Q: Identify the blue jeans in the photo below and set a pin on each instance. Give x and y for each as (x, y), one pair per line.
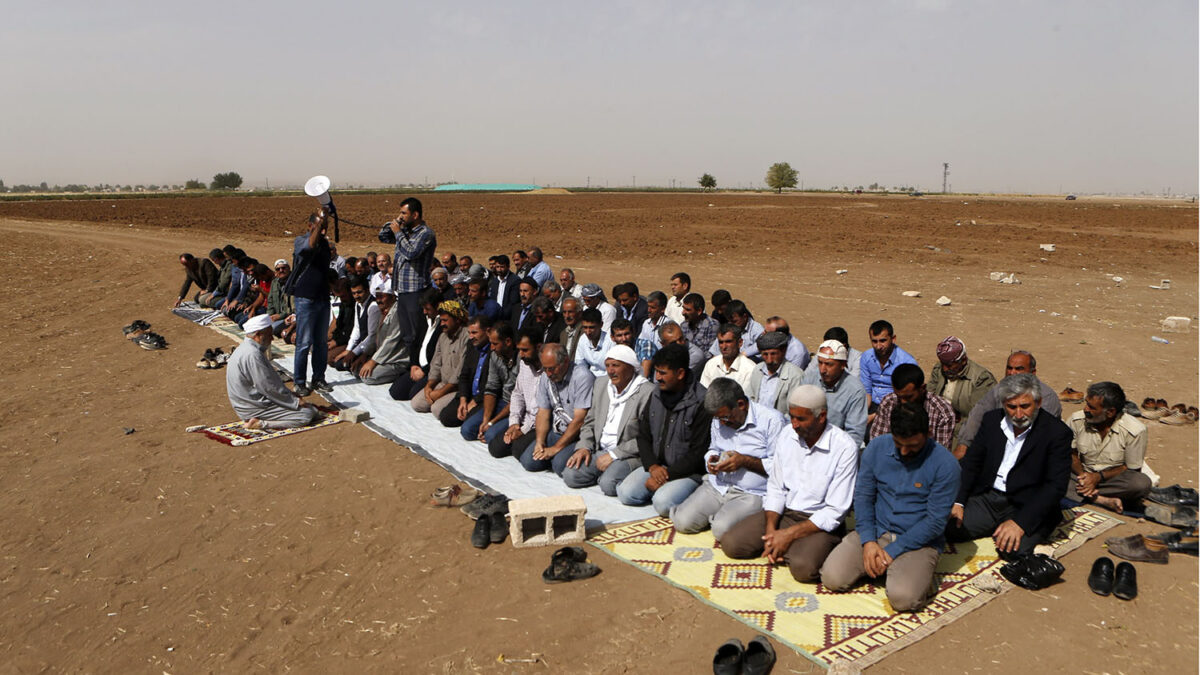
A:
(632, 491)
(496, 430)
(312, 327)
(558, 462)
(470, 426)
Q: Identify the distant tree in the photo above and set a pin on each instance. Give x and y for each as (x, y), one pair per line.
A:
(781, 175)
(193, 184)
(2, 188)
(874, 186)
(708, 182)
(227, 181)
(43, 187)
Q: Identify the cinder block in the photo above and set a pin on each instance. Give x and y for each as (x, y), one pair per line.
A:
(546, 521)
(1176, 324)
(354, 415)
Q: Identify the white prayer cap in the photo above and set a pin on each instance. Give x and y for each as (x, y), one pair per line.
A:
(832, 349)
(807, 396)
(256, 323)
(279, 262)
(623, 354)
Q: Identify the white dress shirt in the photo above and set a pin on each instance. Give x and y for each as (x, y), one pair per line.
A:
(818, 481)
(362, 342)
(740, 371)
(674, 310)
(1012, 448)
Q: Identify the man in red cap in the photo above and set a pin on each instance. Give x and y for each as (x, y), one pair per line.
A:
(959, 380)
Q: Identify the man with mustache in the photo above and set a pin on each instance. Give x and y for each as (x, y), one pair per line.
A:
(1014, 474)
(1109, 448)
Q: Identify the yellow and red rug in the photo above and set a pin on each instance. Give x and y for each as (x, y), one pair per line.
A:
(236, 433)
(858, 625)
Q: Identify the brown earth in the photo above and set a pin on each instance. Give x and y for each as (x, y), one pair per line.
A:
(164, 552)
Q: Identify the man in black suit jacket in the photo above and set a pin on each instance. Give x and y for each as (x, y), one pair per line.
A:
(501, 276)
(409, 383)
(631, 305)
(1015, 474)
(522, 313)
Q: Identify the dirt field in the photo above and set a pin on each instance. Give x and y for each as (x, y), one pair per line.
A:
(164, 552)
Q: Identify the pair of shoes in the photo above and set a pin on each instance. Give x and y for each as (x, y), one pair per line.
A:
(1173, 496)
(151, 341)
(486, 506)
(1033, 571)
(135, 329)
(1178, 418)
(757, 659)
(1120, 581)
(1070, 395)
(569, 564)
(302, 390)
(213, 358)
(491, 529)
(1138, 548)
(205, 362)
(322, 386)
(454, 495)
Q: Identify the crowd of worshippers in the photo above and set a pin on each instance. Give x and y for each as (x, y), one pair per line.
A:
(717, 419)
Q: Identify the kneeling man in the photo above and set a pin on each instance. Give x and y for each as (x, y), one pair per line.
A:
(906, 487)
(607, 450)
(744, 435)
(255, 390)
(1015, 473)
(809, 490)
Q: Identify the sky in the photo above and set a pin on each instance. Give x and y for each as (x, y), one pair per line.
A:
(1076, 96)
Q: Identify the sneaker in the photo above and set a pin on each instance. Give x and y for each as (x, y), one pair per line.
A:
(322, 386)
(302, 390)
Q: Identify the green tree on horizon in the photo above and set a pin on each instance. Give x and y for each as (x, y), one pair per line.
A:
(708, 182)
(227, 181)
(781, 175)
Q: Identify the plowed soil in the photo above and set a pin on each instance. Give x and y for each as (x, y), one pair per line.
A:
(159, 551)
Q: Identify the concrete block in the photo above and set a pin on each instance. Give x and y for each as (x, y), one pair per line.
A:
(1047, 247)
(354, 415)
(546, 521)
(1176, 324)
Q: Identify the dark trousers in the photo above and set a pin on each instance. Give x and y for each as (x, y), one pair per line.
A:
(804, 557)
(409, 306)
(498, 448)
(404, 387)
(983, 513)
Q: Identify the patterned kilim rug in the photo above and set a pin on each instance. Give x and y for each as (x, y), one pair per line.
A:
(858, 625)
(236, 433)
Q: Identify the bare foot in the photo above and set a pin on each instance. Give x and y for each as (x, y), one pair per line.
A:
(253, 423)
(1111, 503)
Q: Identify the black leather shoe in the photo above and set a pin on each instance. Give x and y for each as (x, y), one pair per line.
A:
(322, 386)
(728, 659)
(499, 527)
(759, 657)
(302, 390)
(1101, 578)
(481, 536)
(1190, 546)
(1125, 586)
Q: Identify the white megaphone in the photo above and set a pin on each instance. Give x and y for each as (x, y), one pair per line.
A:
(318, 186)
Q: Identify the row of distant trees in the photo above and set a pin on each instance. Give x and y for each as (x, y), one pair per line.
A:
(781, 175)
(230, 180)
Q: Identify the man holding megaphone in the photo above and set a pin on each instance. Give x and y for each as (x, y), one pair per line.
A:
(309, 286)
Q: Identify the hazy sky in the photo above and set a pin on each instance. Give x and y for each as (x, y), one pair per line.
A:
(1080, 96)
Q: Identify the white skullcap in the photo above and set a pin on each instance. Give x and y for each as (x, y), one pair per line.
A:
(832, 349)
(807, 396)
(256, 323)
(279, 262)
(623, 354)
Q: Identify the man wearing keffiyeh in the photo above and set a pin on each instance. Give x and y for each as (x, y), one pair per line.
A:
(959, 380)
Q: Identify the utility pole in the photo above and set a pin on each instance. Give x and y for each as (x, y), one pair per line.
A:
(945, 176)
(589, 181)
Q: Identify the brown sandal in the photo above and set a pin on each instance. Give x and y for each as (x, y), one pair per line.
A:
(1070, 395)
(453, 495)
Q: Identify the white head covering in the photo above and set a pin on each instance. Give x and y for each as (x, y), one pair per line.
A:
(623, 354)
(832, 349)
(256, 323)
(807, 396)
